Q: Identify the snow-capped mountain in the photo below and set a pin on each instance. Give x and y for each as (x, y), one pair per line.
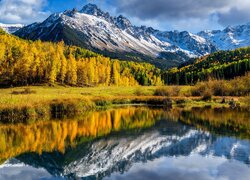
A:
(230, 38)
(97, 30)
(11, 28)
(116, 36)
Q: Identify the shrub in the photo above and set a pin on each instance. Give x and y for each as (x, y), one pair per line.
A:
(24, 91)
(219, 88)
(167, 91)
(199, 89)
(162, 92)
(180, 101)
(207, 95)
(103, 103)
(139, 92)
(239, 86)
(176, 90)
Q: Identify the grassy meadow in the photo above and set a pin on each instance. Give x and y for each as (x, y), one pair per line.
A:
(30, 103)
(36, 102)
(38, 95)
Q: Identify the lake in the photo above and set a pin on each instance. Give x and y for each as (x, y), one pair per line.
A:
(130, 143)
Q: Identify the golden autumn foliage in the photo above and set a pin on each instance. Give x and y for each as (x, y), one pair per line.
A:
(25, 62)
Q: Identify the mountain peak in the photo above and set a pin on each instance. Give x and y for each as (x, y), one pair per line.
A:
(70, 12)
(122, 22)
(91, 27)
(92, 9)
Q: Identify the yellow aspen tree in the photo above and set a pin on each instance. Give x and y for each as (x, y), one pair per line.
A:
(107, 71)
(53, 65)
(63, 62)
(2, 51)
(80, 73)
(102, 74)
(91, 71)
(116, 73)
(35, 65)
(72, 70)
(23, 67)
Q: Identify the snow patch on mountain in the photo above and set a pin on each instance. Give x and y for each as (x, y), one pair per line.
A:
(95, 29)
(230, 38)
(117, 34)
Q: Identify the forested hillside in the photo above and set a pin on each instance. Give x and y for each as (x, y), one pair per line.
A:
(219, 65)
(26, 62)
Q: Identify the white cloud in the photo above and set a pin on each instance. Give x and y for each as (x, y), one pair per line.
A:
(22, 11)
(193, 15)
(237, 13)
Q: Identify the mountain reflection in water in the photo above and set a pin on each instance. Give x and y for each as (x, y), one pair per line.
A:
(130, 143)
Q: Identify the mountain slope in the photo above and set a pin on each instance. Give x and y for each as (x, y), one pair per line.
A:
(218, 65)
(97, 30)
(117, 37)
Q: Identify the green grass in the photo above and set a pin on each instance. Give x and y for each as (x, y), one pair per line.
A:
(44, 94)
(28, 104)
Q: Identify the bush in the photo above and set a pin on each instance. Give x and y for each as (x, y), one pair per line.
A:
(103, 103)
(25, 91)
(139, 92)
(199, 89)
(167, 91)
(207, 95)
(162, 92)
(220, 88)
(239, 86)
(176, 90)
(180, 101)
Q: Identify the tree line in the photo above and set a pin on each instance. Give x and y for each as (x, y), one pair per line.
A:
(217, 66)
(26, 63)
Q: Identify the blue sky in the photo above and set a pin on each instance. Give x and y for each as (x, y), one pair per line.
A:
(191, 15)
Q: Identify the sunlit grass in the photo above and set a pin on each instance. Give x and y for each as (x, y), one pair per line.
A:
(28, 104)
(44, 94)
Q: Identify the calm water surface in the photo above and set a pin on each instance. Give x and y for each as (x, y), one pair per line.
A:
(130, 143)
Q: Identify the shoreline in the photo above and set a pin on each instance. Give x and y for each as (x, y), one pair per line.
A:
(65, 108)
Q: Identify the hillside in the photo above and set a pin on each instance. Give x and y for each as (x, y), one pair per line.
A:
(25, 63)
(117, 37)
(219, 65)
(96, 30)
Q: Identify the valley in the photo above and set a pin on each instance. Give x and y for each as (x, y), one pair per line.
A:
(91, 94)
